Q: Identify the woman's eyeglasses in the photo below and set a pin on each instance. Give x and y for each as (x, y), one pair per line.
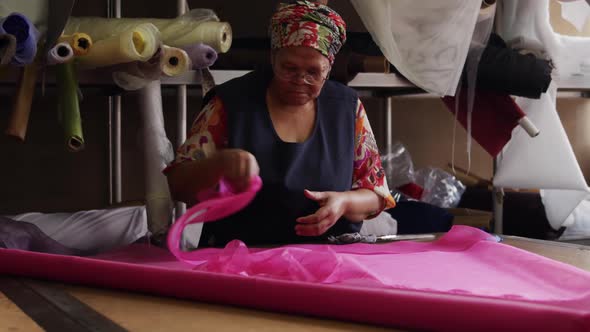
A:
(292, 74)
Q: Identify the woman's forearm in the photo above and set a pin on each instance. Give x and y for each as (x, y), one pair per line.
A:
(238, 167)
(188, 178)
(361, 204)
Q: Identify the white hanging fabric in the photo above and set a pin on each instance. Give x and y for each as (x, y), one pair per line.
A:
(426, 40)
(577, 12)
(546, 161)
(158, 152)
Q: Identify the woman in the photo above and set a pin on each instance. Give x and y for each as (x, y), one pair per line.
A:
(307, 137)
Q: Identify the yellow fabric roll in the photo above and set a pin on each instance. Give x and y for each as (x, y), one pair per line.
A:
(196, 26)
(19, 121)
(136, 44)
(175, 61)
(79, 41)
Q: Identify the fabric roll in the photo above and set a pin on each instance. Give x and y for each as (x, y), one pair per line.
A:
(138, 74)
(494, 117)
(196, 26)
(348, 64)
(503, 69)
(7, 48)
(215, 34)
(19, 120)
(69, 107)
(427, 41)
(79, 42)
(26, 36)
(136, 44)
(60, 53)
(158, 152)
(35, 10)
(201, 55)
(175, 61)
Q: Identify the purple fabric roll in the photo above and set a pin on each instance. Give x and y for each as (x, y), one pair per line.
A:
(26, 36)
(201, 55)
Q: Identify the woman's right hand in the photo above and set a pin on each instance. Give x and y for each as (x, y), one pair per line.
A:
(238, 168)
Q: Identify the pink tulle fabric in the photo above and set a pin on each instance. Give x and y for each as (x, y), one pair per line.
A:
(463, 281)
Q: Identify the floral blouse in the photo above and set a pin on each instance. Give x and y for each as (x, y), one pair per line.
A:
(209, 133)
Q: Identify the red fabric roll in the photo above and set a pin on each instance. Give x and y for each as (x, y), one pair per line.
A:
(494, 117)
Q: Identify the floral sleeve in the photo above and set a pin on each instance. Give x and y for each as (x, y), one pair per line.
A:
(207, 134)
(368, 172)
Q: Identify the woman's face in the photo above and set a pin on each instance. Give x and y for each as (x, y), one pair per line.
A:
(300, 73)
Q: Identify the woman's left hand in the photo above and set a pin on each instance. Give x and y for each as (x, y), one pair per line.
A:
(333, 205)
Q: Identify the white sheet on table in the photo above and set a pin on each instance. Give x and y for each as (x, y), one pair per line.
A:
(93, 230)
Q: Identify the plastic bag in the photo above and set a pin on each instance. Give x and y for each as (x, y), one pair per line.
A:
(441, 189)
(398, 166)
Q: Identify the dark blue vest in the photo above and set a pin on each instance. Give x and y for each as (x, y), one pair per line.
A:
(324, 162)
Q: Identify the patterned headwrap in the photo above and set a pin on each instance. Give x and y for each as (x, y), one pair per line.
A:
(305, 23)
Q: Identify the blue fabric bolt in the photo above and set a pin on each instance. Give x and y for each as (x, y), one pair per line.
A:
(26, 35)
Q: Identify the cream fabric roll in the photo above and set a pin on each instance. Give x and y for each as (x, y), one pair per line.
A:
(79, 41)
(136, 44)
(196, 26)
(175, 61)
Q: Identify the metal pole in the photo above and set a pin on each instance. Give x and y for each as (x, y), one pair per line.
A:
(111, 171)
(115, 183)
(498, 205)
(388, 124)
(117, 149)
(181, 117)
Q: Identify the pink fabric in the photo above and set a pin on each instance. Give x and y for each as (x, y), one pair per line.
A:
(464, 281)
(213, 206)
